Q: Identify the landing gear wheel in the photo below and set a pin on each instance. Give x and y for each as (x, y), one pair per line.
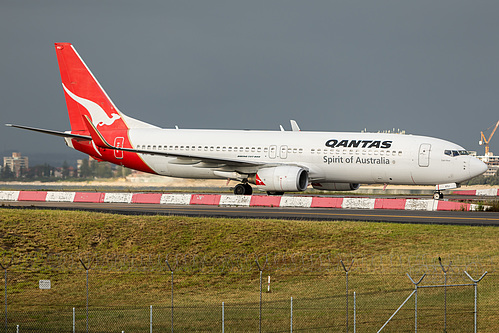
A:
(438, 195)
(243, 189)
(274, 193)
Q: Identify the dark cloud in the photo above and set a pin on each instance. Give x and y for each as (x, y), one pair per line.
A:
(427, 67)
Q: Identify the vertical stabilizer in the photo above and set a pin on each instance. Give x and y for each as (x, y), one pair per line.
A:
(85, 96)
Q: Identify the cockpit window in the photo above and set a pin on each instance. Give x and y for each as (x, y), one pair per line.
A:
(454, 153)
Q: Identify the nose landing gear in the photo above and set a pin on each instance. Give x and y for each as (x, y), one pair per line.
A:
(437, 195)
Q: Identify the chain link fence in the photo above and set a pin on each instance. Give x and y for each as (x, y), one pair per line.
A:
(247, 293)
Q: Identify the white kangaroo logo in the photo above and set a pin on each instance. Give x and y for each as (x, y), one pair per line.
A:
(98, 115)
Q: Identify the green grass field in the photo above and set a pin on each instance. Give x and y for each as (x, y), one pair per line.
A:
(120, 299)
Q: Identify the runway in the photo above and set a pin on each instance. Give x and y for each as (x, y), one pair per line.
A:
(316, 214)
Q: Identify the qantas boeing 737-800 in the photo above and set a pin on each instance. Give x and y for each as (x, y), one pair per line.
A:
(273, 161)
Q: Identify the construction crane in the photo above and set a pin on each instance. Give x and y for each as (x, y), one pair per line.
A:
(485, 141)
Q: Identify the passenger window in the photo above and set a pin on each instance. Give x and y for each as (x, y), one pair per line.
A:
(312, 151)
(218, 148)
(148, 147)
(300, 150)
(400, 153)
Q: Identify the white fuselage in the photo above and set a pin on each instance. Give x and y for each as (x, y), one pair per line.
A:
(348, 158)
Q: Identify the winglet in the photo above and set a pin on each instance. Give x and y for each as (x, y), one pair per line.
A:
(97, 138)
(294, 126)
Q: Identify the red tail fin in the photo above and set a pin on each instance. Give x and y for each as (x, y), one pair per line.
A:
(84, 95)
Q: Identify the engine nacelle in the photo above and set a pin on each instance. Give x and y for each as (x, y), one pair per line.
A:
(336, 186)
(284, 178)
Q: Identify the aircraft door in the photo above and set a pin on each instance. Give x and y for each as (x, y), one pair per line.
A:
(284, 152)
(273, 151)
(118, 142)
(424, 155)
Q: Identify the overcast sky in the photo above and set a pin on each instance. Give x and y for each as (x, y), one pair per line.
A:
(429, 67)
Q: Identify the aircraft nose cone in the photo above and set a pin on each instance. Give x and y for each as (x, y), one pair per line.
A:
(477, 167)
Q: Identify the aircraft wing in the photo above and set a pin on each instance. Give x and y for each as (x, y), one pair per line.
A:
(99, 140)
(57, 133)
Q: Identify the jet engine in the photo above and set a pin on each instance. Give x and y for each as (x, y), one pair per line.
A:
(335, 186)
(284, 178)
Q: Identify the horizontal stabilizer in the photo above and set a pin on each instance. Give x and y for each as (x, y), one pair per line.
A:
(56, 133)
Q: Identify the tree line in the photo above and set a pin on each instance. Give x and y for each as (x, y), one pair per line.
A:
(87, 170)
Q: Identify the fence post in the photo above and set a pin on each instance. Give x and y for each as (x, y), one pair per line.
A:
(74, 321)
(223, 317)
(5, 268)
(291, 314)
(150, 319)
(354, 313)
(475, 284)
(86, 269)
(260, 315)
(416, 299)
(445, 290)
(171, 270)
(346, 272)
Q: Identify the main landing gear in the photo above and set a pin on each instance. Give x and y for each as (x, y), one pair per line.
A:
(437, 195)
(243, 189)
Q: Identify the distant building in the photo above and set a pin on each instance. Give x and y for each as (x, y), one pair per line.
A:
(16, 163)
(492, 162)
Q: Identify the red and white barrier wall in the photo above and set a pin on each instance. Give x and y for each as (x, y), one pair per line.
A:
(236, 200)
(488, 192)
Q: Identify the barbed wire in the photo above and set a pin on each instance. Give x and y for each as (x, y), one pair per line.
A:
(244, 263)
